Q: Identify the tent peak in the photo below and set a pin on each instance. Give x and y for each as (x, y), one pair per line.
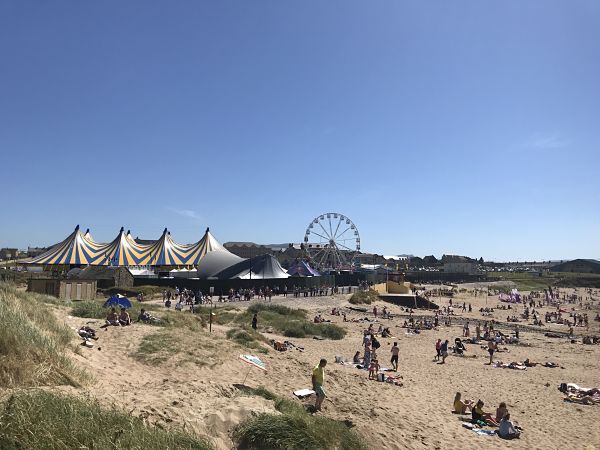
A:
(207, 229)
(77, 227)
(122, 229)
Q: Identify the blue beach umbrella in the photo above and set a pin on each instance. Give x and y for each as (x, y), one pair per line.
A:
(118, 300)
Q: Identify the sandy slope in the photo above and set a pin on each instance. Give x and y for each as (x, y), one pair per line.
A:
(203, 397)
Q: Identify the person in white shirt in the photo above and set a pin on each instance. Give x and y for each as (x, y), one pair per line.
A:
(507, 430)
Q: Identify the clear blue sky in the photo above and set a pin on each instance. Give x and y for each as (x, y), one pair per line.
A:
(462, 127)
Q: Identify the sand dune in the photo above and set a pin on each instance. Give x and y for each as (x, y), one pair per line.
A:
(202, 397)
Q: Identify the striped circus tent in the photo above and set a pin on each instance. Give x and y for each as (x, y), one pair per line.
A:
(81, 249)
(200, 249)
(166, 252)
(76, 249)
(123, 251)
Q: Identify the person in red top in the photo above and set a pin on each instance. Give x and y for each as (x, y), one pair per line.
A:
(438, 348)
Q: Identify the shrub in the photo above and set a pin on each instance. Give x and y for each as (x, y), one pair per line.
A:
(364, 297)
(89, 309)
(32, 343)
(63, 422)
(294, 429)
(289, 322)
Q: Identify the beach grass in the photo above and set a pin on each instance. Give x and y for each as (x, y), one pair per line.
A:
(33, 343)
(294, 429)
(93, 309)
(289, 322)
(364, 297)
(534, 282)
(247, 338)
(43, 420)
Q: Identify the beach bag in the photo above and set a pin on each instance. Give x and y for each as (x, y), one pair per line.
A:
(380, 377)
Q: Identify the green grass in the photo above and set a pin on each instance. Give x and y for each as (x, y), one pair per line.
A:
(294, 429)
(93, 309)
(43, 420)
(247, 338)
(533, 282)
(364, 297)
(33, 343)
(289, 322)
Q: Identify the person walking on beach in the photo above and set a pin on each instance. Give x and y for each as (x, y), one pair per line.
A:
(254, 321)
(318, 378)
(444, 351)
(492, 347)
(395, 351)
(438, 350)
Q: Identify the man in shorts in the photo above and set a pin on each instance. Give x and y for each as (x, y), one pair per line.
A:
(318, 377)
(395, 351)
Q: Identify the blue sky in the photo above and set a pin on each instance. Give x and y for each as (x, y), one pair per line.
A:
(438, 127)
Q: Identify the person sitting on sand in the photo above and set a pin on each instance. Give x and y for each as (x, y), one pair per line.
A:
(507, 430)
(373, 369)
(478, 414)
(461, 407)
(112, 319)
(124, 318)
(144, 316)
(356, 359)
(501, 412)
(386, 333)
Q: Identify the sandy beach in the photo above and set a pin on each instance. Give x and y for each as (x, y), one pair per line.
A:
(197, 389)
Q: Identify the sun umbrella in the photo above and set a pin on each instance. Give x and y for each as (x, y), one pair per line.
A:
(118, 300)
(253, 361)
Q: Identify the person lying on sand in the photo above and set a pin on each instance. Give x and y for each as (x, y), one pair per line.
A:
(461, 407)
(478, 414)
(112, 319)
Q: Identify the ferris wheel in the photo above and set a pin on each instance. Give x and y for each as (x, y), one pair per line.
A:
(331, 241)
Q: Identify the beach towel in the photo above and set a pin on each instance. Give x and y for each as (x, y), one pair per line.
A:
(303, 393)
(482, 432)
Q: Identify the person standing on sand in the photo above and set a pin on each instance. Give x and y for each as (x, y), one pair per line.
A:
(492, 347)
(438, 350)
(444, 351)
(254, 321)
(318, 378)
(395, 351)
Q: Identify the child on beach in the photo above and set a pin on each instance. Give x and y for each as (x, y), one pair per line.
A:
(438, 350)
(373, 370)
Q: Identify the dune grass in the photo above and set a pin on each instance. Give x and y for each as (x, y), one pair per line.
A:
(364, 297)
(179, 347)
(289, 322)
(247, 338)
(65, 422)
(294, 429)
(33, 343)
(93, 309)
